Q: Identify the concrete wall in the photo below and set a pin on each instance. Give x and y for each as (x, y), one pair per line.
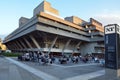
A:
(22, 21)
(61, 44)
(45, 6)
(49, 8)
(70, 19)
(38, 9)
(87, 48)
(75, 20)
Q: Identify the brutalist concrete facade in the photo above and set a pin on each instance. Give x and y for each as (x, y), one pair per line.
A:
(47, 32)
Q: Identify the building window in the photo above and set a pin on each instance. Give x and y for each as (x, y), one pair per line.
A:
(89, 31)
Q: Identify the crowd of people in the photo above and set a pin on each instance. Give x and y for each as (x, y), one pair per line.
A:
(36, 57)
(64, 59)
(84, 59)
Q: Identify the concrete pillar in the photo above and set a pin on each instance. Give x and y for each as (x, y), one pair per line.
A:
(22, 44)
(67, 43)
(28, 43)
(8, 46)
(34, 41)
(19, 45)
(53, 43)
(16, 45)
(11, 46)
(86, 26)
(75, 48)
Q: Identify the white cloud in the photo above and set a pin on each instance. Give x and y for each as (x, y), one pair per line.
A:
(108, 18)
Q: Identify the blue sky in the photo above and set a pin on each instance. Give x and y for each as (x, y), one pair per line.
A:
(105, 11)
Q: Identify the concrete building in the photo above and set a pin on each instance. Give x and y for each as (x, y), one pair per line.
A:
(47, 32)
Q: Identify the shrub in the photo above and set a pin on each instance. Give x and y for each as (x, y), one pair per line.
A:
(7, 54)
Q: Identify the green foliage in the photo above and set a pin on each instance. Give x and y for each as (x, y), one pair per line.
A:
(10, 54)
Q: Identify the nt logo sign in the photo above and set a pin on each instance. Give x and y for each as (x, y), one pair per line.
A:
(112, 29)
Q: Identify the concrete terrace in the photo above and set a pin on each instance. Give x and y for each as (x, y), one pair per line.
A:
(11, 69)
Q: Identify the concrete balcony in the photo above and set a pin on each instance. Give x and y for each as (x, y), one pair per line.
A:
(100, 46)
(24, 29)
(96, 33)
(91, 28)
(97, 39)
(61, 32)
(61, 26)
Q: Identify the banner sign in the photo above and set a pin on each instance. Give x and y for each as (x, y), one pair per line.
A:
(112, 44)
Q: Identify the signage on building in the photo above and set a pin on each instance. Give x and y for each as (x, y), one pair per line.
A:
(112, 29)
(112, 49)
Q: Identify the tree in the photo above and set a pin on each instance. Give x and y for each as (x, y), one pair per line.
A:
(0, 47)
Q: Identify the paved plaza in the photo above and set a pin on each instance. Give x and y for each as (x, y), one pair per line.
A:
(12, 69)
